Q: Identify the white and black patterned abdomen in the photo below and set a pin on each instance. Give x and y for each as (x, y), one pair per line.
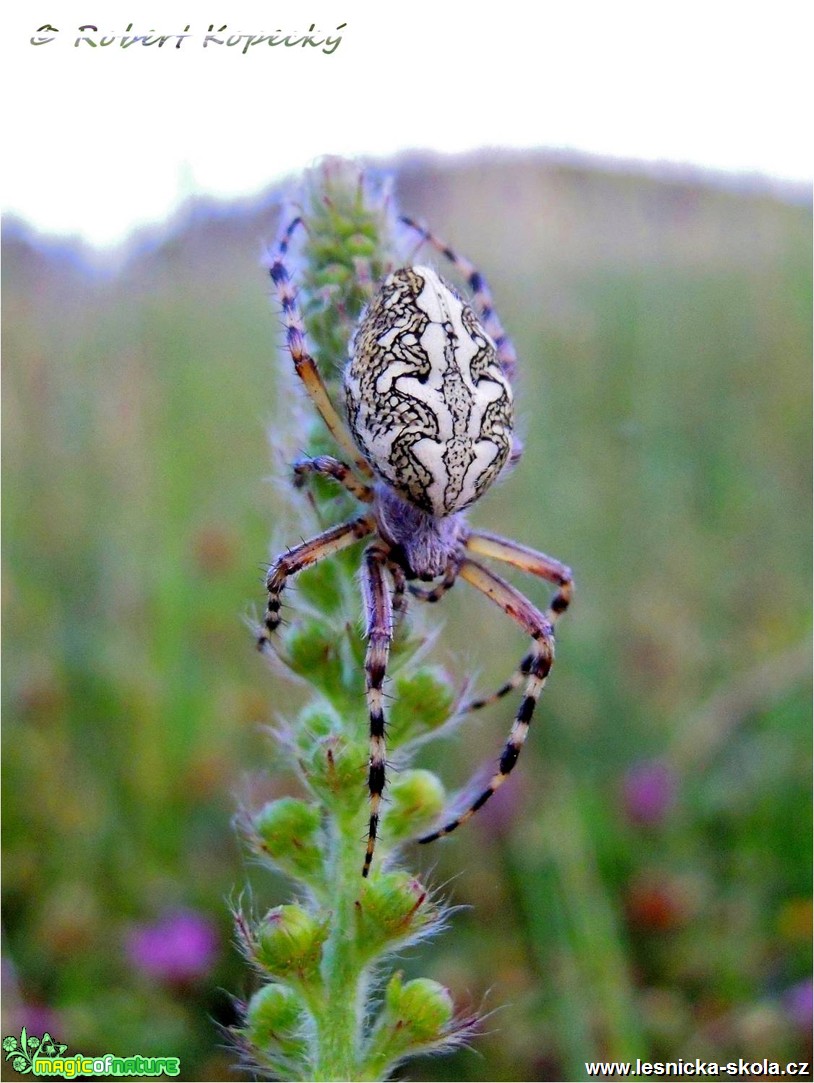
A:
(428, 403)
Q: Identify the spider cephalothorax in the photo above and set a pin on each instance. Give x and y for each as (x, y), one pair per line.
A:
(429, 405)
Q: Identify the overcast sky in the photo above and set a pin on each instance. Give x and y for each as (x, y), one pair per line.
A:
(99, 140)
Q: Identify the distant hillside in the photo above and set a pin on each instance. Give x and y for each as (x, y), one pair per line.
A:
(533, 204)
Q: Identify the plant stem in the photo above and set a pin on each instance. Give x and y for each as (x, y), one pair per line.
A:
(339, 1026)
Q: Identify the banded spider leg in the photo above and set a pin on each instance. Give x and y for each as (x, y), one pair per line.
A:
(481, 295)
(304, 556)
(536, 665)
(379, 635)
(304, 364)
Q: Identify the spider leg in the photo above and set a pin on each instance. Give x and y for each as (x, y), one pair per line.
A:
(481, 296)
(436, 593)
(513, 682)
(329, 467)
(538, 626)
(399, 600)
(303, 556)
(304, 364)
(527, 560)
(379, 634)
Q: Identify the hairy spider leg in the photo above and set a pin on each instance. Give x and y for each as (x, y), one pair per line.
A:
(510, 685)
(520, 609)
(329, 467)
(303, 556)
(399, 600)
(379, 635)
(486, 544)
(304, 364)
(481, 296)
(528, 560)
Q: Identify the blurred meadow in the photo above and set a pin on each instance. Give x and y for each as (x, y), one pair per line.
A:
(642, 887)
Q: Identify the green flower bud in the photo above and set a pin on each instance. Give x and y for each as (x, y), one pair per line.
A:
(324, 252)
(419, 1012)
(329, 277)
(335, 769)
(392, 908)
(424, 700)
(312, 649)
(274, 1020)
(417, 798)
(317, 719)
(288, 831)
(416, 1017)
(361, 245)
(289, 943)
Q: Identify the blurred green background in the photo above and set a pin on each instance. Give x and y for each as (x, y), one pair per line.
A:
(642, 888)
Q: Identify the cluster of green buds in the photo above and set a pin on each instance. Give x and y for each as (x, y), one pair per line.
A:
(326, 1009)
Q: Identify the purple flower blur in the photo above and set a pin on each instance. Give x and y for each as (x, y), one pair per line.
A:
(799, 1003)
(648, 792)
(180, 947)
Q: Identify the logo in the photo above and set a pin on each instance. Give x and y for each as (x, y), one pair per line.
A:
(45, 1057)
(24, 1050)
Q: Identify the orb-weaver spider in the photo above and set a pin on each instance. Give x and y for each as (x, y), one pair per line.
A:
(430, 427)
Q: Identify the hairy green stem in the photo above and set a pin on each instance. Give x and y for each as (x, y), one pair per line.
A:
(339, 1028)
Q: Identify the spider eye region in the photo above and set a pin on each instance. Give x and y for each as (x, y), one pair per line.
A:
(428, 402)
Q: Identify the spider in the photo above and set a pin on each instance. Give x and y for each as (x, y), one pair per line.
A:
(429, 404)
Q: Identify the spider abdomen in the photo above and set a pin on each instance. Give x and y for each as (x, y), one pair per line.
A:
(428, 402)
